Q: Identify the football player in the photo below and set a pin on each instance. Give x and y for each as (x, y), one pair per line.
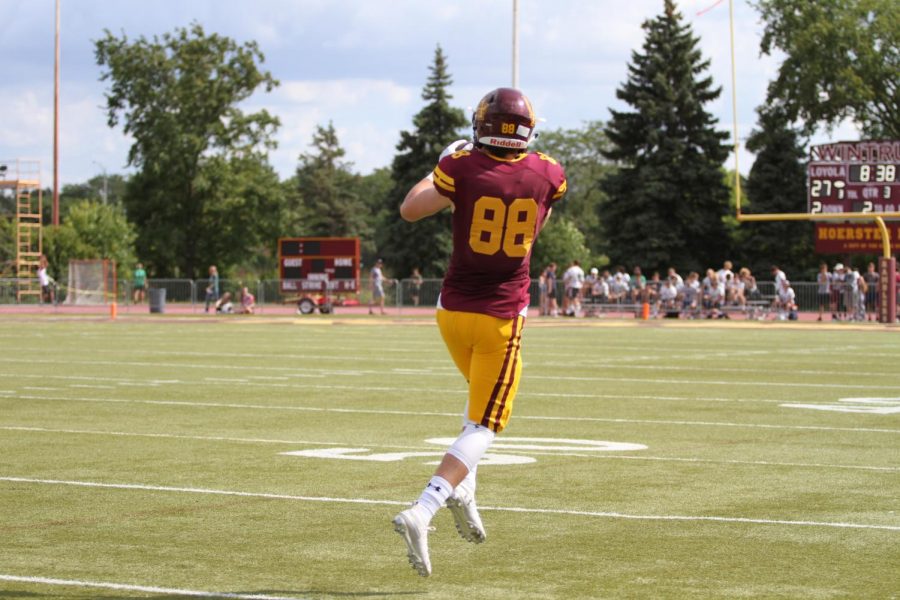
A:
(500, 196)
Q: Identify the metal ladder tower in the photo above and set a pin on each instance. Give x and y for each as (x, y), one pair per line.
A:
(23, 177)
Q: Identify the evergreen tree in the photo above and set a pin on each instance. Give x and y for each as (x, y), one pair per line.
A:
(777, 184)
(328, 191)
(427, 243)
(665, 205)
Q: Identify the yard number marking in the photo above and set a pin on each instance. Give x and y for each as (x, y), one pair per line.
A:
(511, 445)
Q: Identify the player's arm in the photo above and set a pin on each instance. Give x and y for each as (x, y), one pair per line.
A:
(423, 200)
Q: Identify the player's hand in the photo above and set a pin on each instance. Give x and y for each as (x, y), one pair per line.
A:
(457, 146)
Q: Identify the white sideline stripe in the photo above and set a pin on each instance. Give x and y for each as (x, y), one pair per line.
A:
(544, 511)
(205, 438)
(417, 413)
(641, 380)
(141, 588)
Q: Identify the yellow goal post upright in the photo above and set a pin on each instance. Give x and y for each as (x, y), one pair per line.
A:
(887, 294)
(22, 178)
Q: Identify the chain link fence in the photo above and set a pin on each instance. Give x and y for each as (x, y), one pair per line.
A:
(398, 293)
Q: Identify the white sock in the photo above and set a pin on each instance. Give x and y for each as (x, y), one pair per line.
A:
(434, 495)
(468, 484)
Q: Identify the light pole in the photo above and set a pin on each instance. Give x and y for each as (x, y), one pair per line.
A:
(105, 182)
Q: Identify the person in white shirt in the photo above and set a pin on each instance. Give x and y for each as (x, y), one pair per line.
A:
(675, 278)
(573, 279)
(46, 282)
(784, 302)
(725, 271)
(779, 277)
(851, 291)
(667, 295)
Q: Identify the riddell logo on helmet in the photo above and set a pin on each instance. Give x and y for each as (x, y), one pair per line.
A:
(504, 142)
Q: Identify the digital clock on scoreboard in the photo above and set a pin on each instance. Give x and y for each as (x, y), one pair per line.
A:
(854, 177)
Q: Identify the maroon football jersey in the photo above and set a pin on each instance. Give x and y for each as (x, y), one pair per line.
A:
(498, 207)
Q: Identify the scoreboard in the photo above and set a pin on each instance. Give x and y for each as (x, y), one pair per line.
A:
(319, 264)
(858, 177)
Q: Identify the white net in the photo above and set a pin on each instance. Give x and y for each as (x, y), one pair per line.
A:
(91, 282)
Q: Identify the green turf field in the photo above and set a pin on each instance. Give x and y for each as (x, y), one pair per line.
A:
(150, 454)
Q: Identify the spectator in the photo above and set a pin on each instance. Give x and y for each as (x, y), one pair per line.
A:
(224, 305)
(751, 290)
(725, 271)
(600, 288)
(573, 280)
(675, 278)
(734, 291)
(140, 284)
(551, 309)
(779, 276)
(862, 290)
(690, 295)
(823, 289)
(652, 290)
(638, 286)
(714, 296)
(48, 294)
(248, 301)
(416, 282)
(618, 289)
(212, 288)
(667, 298)
(851, 291)
(838, 279)
(784, 302)
(872, 276)
(377, 280)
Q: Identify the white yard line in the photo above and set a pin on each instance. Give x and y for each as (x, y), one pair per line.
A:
(641, 380)
(140, 588)
(207, 438)
(546, 511)
(456, 415)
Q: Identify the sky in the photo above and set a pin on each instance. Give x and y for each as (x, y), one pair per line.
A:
(361, 65)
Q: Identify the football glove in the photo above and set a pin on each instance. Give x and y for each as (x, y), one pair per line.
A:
(457, 146)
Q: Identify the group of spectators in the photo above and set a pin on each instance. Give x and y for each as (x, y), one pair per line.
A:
(849, 295)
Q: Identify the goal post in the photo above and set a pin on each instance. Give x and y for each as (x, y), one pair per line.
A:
(91, 282)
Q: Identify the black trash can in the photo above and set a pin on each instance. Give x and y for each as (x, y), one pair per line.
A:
(157, 300)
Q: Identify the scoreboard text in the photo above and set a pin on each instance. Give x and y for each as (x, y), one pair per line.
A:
(858, 177)
(319, 264)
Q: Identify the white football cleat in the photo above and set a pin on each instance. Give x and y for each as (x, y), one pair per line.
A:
(415, 533)
(465, 514)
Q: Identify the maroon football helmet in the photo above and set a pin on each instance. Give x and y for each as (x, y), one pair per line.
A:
(504, 120)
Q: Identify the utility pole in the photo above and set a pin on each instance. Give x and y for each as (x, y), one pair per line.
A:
(56, 126)
(515, 45)
(105, 182)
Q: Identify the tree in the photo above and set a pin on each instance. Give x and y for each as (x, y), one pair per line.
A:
(777, 184)
(426, 244)
(91, 230)
(842, 59)
(580, 151)
(193, 147)
(329, 191)
(561, 241)
(664, 205)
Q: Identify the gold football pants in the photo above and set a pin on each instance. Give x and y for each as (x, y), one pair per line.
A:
(486, 350)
